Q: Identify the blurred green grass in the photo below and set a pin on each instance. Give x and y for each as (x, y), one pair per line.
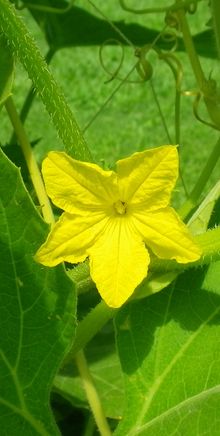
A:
(131, 121)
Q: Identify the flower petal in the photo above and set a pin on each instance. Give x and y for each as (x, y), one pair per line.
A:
(167, 235)
(118, 261)
(70, 238)
(147, 178)
(69, 182)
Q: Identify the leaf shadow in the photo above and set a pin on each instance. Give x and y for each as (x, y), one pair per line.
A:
(193, 302)
(90, 30)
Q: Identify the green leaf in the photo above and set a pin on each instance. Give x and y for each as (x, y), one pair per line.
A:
(37, 309)
(198, 223)
(169, 351)
(106, 371)
(6, 72)
(155, 282)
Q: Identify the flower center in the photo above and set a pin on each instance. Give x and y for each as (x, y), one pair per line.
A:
(120, 207)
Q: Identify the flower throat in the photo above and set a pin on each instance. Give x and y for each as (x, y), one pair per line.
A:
(120, 207)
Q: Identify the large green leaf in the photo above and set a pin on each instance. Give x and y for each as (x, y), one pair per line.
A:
(37, 307)
(169, 347)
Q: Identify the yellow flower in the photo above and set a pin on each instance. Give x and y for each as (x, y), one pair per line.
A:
(110, 216)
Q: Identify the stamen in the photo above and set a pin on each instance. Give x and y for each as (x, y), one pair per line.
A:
(120, 207)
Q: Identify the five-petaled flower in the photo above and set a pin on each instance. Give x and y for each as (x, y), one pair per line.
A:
(110, 216)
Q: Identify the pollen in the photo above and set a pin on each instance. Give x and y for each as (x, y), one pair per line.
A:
(120, 207)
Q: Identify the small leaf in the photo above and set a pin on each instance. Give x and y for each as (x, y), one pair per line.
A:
(6, 72)
(154, 283)
(169, 351)
(198, 223)
(37, 308)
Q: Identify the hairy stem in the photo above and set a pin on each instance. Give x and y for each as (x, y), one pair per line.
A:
(23, 46)
(215, 8)
(30, 98)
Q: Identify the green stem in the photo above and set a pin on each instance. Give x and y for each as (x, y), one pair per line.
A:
(210, 244)
(193, 57)
(90, 326)
(202, 83)
(92, 395)
(172, 8)
(23, 46)
(30, 160)
(163, 120)
(208, 88)
(193, 199)
(215, 8)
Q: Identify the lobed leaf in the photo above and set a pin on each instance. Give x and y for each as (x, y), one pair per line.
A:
(37, 309)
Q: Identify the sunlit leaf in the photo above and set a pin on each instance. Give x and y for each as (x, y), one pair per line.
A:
(37, 307)
(169, 350)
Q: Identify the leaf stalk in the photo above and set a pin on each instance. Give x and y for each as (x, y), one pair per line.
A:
(30, 161)
(92, 395)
